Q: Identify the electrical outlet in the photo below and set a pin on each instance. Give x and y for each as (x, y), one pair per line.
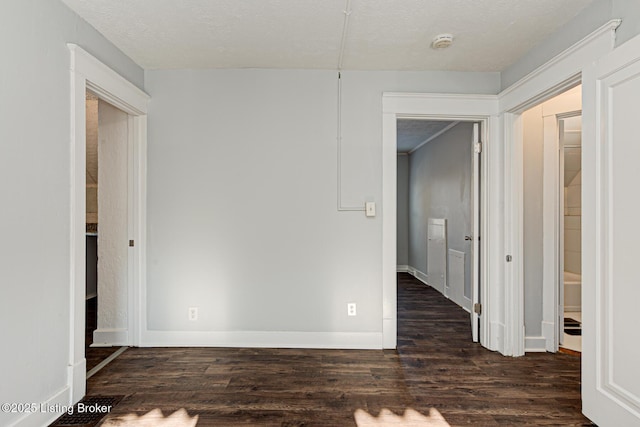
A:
(351, 309)
(193, 313)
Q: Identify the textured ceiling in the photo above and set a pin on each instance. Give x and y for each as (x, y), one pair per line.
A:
(382, 34)
(412, 133)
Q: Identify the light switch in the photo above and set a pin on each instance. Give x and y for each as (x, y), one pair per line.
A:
(370, 208)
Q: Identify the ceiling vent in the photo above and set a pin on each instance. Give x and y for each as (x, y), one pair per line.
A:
(442, 41)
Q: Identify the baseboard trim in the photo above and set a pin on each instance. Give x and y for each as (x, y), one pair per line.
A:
(572, 308)
(43, 416)
(110, 337)
(535, 344)
(402, 268)
(264, 339)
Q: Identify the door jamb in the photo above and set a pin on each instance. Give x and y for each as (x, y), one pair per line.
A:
(87, 72)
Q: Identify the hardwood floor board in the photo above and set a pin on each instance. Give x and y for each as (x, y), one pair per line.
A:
(435, 366)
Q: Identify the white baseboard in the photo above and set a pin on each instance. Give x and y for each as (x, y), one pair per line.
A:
(47, 411)
(572, 308)
(535, 344)
(402, 268)
(263, 339)
(110, 337)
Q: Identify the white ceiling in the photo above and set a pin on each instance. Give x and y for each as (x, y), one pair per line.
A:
(413, 133)
(382, 34)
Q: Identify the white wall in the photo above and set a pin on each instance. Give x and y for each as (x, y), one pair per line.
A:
(440, 177)
(34, 184)
(242, 215)
(402, 215)
(533, 131)
(112, 216)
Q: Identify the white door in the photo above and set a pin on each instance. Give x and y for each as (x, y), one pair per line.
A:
(611, 272)
(475, 237)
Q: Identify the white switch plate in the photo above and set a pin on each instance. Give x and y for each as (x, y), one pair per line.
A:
(193, 313)
(370, 208)
(351, 309)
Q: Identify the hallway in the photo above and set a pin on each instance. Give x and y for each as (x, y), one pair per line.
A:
(436, 365)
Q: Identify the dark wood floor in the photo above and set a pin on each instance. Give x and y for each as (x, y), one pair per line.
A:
(436, 366)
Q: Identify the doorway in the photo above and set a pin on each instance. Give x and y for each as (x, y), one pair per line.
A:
(106, 230)
(570, 239)
(468, 108)
(438, 167)
(88, 73)
(547, 183)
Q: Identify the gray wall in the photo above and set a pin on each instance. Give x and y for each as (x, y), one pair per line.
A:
(592, 17)
(440, 187)
(34, 184)
(242, 196)
(533, 128)
(402, 214)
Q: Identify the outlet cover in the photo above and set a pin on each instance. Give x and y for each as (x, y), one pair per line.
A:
(193, 313)
(351, 309)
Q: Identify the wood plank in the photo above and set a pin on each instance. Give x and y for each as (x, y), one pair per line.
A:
(436, 366)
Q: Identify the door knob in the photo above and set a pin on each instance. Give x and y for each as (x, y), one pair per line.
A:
(468, 238)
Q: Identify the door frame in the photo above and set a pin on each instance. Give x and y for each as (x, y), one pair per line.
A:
(454, 107)
(88, 73)
(556, 76)
(553, 227)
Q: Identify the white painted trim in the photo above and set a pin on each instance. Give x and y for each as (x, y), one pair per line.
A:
(110, 337)
(513, 245)
(480, 108)
(550, 232)
(43, 418)
(541, 83)
(264, 339)
(496, 334)
(535, 344)
(549, 332)
(432, 137)
(389, 230)
(87, 72)
(552, 78)
(402, 268)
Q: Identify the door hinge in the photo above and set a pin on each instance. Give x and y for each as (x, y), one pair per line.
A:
(131, 243)
(478, 147)
(477, 308)
(509, 258)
